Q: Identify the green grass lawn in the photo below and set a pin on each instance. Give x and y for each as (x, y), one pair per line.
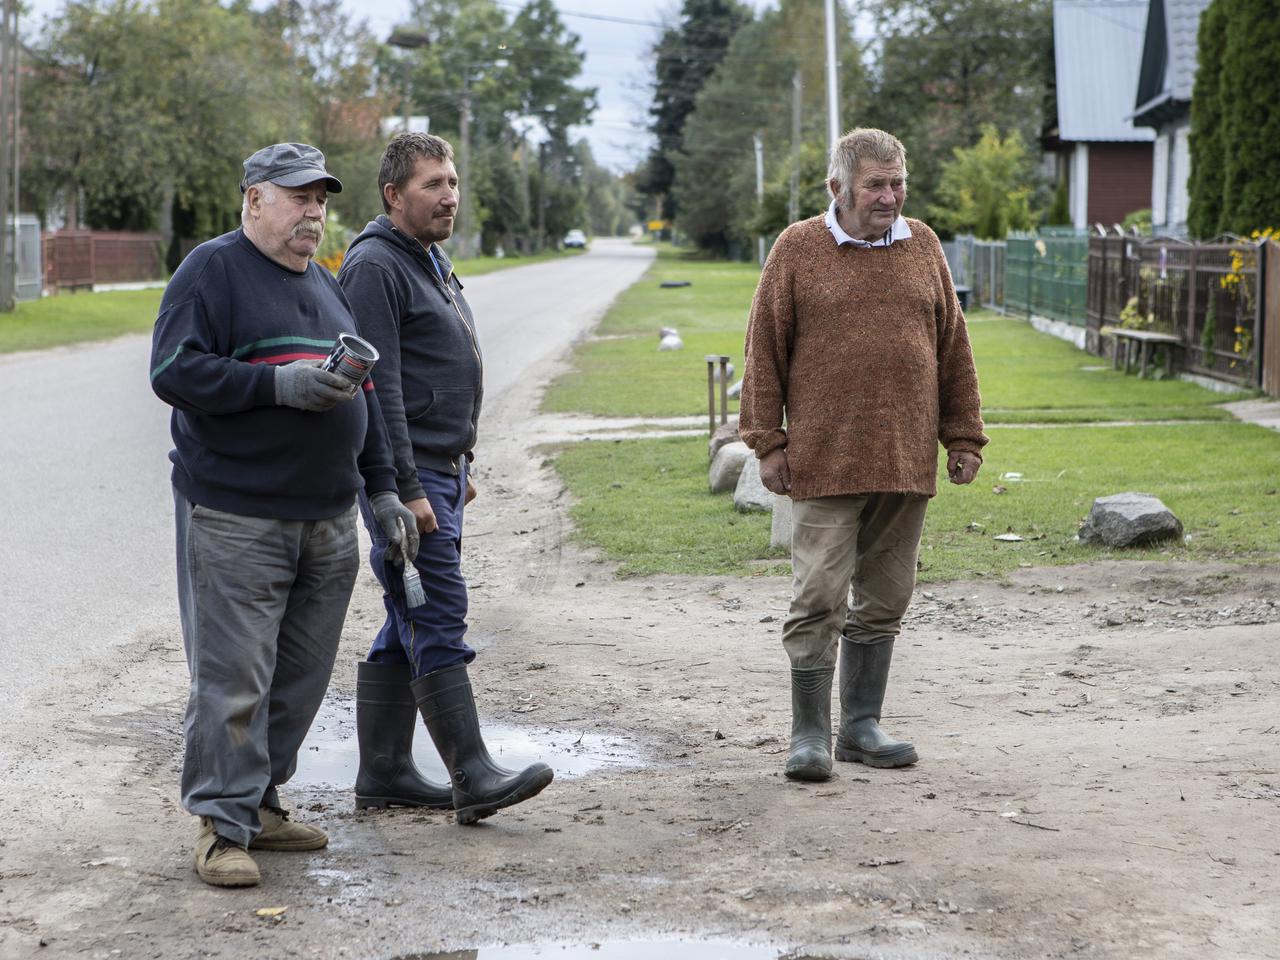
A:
(645, 502)
(76, 317)
(80, 317)
(1029, 377)
(622, 373)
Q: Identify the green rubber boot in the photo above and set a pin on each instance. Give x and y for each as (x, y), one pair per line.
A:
(864, 674)
(810, 757)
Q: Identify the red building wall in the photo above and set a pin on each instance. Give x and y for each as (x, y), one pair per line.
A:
(1119, 180)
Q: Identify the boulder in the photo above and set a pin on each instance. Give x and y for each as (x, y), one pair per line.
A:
(727, 432)
(1129, 520)
(727, 465)
(671, 341)
(780, 531)
(750, 493)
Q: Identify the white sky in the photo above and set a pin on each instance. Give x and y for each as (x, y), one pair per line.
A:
(616, 36)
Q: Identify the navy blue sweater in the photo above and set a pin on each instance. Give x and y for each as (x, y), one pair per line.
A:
(228, 317)
(431, 375)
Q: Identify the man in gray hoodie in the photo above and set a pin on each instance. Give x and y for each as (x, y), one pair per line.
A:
(408, 303)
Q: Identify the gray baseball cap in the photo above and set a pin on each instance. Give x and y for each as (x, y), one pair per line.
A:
(290, 165)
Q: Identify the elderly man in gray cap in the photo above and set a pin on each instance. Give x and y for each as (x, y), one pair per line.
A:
(270, 450)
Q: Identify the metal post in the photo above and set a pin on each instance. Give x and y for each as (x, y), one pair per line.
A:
(464, 227)
(793, 205)
(833, 77)
(711, 393)
(759, 145)
(8, 248)
(724, 390)
(715, 360)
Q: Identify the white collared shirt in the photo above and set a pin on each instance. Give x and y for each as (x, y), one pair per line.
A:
(899, 231)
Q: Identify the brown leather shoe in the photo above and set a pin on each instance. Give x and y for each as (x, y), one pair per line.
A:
(221, 863)
(281, 833)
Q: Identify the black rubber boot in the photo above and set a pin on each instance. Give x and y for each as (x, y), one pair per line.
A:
(864, 674)
(386, 717)
(480, 787)
(810, 757)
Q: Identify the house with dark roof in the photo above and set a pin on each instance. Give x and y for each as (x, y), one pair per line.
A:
(1165, 79)
(1103, 159)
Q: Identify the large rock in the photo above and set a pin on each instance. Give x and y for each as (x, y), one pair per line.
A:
(727, 466)
(726, 433)
(750, 493)
(1129, 520)
(780, 531)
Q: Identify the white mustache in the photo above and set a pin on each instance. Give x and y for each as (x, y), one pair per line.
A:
(312, 228)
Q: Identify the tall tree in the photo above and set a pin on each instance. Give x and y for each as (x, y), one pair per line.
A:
(750, 92)
(136, 107)
(944, 68)
(1208, 154)
(343, 94)
(1234, 122)
(685, 57)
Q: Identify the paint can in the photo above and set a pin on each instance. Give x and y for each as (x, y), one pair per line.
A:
(351, 357)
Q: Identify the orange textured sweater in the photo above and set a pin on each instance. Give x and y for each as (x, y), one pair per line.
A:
(865, 352)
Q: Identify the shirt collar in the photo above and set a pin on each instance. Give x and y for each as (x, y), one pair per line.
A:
(899, 231)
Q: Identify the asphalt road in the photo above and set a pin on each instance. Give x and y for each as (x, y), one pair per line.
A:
(87, 562)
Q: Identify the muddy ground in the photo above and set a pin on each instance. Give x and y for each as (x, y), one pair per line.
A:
(1099, 776)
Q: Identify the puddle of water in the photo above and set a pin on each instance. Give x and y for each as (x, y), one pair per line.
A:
(330, 755)
(623, 950)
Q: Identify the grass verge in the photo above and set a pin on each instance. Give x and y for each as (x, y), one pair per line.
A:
(621, 373)
(645, 504)
(77, 317)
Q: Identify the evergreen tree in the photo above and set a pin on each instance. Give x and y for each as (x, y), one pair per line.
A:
(750, 92)
(1205, 213)
(1250, 129)
(686, 56)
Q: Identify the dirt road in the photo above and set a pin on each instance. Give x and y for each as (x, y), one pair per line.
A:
(1099, 776)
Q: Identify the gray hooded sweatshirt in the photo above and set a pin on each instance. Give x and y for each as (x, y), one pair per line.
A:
(429, 376)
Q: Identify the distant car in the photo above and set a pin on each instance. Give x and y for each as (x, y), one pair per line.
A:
(575, 238)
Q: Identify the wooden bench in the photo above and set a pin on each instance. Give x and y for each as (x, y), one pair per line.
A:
(1143, 341)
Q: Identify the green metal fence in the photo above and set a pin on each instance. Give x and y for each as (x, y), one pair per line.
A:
(1047, 274)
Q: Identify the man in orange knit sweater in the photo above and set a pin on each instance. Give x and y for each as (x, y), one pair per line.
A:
(857, 366)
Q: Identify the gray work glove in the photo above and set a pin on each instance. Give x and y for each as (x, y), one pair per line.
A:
(303, 384)
(387, 509)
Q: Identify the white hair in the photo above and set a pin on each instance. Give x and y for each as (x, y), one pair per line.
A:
(858, 146)
(268, 191)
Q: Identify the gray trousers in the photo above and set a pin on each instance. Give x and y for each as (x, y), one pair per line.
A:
(867, 543)
(262, 604)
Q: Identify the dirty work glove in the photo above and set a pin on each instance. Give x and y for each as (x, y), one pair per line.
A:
(304, 385)
(387, 509)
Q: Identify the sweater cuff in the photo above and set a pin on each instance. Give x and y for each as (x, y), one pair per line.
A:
(766, 442)
(966, 446)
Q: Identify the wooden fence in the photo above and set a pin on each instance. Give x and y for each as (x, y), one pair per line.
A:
(1209, 295)
(82, 258)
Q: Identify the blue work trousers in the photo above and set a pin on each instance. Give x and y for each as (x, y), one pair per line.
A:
(429, 637)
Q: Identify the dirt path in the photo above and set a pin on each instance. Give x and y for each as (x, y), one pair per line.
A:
(1099, 776)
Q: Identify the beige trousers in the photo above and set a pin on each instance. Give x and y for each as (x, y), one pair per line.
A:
(868, 543)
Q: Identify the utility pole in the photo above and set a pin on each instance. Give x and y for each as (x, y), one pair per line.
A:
(542, 197)
(758, 138)
(797, 89)
(464, 229)
(833, 78)
(8, 135)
